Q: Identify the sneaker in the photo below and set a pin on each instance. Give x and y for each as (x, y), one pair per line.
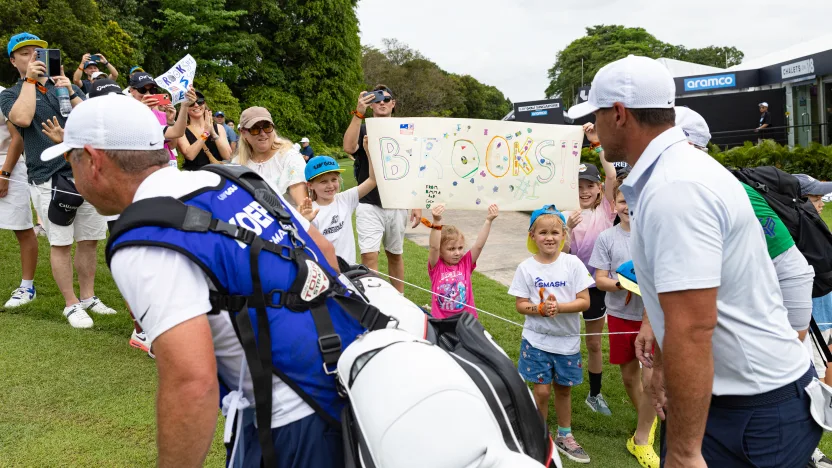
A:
(821, 460)
(94, 304)
(598, 404)
(645, 454)
(139, 340)
(40, 231)
(21, 296)
(77, 316)
(570, 448)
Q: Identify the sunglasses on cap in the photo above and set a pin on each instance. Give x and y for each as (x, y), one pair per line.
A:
(255, 130)
(200, 101)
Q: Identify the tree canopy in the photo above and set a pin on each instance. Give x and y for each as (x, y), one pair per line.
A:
(423, 89)
(605, 44)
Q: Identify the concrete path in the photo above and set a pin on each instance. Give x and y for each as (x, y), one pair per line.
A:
(506, 246)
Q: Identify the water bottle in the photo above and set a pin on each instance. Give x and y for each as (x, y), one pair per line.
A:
(63, 100)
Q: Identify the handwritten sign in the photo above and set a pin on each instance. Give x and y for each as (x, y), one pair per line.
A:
(469, 164)
(178, 78)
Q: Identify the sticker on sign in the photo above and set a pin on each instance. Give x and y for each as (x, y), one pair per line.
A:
(178, 78)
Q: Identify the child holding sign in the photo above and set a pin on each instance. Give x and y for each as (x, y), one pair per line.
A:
(551, 289)
(449, 268)
(596, 215)
(329, 209)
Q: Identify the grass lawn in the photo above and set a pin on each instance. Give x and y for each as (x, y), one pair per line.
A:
(85, 398)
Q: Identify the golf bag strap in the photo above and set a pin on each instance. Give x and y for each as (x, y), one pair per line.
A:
(255, 185)
(814, 329)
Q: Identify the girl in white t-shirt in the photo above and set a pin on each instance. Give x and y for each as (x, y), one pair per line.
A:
(329, 209)
(551, 289)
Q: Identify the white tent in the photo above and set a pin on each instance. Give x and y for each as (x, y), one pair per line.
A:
(794, 52)
(678, 68)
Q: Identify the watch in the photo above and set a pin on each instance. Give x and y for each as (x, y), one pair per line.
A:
(73, 96)
(5, 173)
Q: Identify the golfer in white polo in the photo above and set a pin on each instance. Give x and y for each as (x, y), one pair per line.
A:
(733, 368)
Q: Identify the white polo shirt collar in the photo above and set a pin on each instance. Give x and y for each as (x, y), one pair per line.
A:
(634, 183)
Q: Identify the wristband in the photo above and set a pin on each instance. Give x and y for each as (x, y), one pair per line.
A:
(430, 225)
(540, 310)
(598, 149)
(79, 68)
(73, 96)
(595, 144)
(5, 173)
(32, 80)
(204, 136)
(357, 114)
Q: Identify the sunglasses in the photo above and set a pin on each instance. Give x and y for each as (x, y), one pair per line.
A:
(386, 100)
(268, 128)
(200, 101)
(151, 90)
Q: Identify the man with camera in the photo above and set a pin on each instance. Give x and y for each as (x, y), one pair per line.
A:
(374, 223)
(33, 105)
(90, 65)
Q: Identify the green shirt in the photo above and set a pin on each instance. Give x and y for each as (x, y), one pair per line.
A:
(778, 238)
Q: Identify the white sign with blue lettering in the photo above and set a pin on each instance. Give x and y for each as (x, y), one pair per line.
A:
(701, 83)
(178, 78)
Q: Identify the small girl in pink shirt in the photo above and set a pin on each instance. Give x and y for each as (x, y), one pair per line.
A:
(450, 267)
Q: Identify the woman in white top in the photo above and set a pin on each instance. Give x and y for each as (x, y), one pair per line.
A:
(271, 156)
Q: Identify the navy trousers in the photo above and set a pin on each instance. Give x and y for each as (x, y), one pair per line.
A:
(307, 443)
(781, 434)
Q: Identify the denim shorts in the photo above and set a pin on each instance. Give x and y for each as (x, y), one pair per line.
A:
(541, 367)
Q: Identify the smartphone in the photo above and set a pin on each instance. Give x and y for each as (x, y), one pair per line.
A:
(95, 58)
(161, 99)
(52, 59)
(379, 96)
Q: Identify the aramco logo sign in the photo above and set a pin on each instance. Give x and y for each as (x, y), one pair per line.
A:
(701, 83)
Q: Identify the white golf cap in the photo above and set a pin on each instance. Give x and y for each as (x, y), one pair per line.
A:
(111, 122)
(694, 126)
(304, 140)
(763, 104)
(96, 75)
(636, 82)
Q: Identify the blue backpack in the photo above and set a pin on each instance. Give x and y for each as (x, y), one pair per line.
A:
(289, 310)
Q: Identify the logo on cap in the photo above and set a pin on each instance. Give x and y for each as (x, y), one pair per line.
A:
(582, 168)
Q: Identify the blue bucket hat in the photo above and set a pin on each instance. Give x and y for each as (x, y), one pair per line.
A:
(546, 210)
(321, 165)
(22, 40)
(627, 277)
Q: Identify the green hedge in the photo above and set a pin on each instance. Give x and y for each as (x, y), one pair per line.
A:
(815, 160)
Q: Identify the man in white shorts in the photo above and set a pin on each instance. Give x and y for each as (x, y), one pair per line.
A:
(15, 211)
(374, 223)
(31, 102)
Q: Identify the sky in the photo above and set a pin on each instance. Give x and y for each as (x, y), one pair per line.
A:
(511, 44)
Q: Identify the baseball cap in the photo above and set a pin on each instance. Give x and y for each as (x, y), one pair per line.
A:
(636, 82)
(811, 186)
(694, 126)
(90, 62)
(104, 87)
(65, 201)
(589, 172)
(321, 165)
(304, 140)
(219, 114)
(763, 104)
(627, 277)
(136, 69)
(531, 246)
(252, 115)
(140, 80)
(96, 75)
(621, 168)
(22, 40)
(109, 123)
